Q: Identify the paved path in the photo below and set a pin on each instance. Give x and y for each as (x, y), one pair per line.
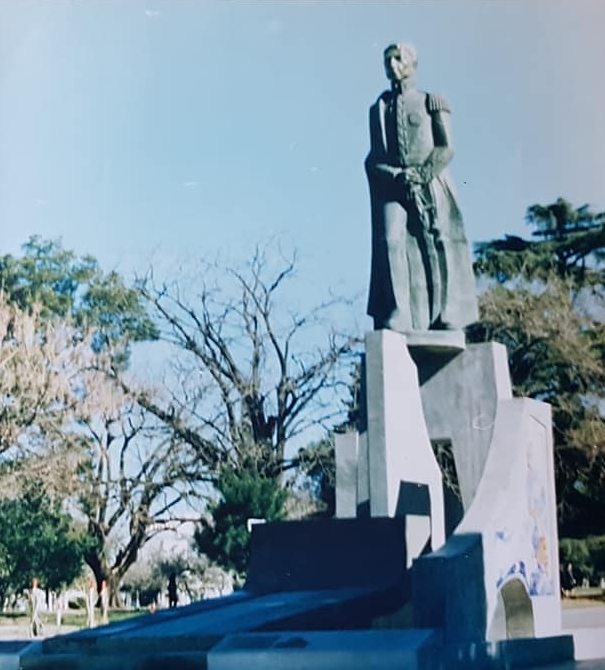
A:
(587, 625)
(21, 631)
(584, 617)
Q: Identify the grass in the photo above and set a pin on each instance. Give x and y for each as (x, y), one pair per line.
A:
(76, 618)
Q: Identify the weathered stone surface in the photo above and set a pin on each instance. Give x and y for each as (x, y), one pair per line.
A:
(352, 474)
(346, 450)
(460, 396)
(510, 654)
(346, 650)
(436, 341)
(513, 513)
(327, 554)
(399, 450)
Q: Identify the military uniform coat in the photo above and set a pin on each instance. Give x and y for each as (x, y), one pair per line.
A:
(421, 276)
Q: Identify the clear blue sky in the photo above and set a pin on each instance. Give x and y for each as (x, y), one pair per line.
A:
(169, 130)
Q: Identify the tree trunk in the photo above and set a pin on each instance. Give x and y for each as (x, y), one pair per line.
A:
(113, 584)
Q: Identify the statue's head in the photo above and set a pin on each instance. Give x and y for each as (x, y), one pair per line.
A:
(400, 61)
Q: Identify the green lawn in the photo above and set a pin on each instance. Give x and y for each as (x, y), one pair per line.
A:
(71, 618)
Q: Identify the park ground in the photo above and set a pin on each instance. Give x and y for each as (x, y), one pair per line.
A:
(578, 612)
(15, 626)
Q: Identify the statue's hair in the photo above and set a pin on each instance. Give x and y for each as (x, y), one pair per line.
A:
(406, 48)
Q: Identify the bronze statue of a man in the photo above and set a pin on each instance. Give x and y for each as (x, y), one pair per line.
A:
(421, 275)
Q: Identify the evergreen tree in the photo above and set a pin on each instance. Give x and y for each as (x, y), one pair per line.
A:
(547, 305)
(37, 540)
(568, 243)
(244, 494)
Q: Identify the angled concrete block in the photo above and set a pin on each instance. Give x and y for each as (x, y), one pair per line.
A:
(516, 586)
(460, 394)
(363, 476)
(346, 448)
(399, 450)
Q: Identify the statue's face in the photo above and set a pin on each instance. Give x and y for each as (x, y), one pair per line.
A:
(398, 64)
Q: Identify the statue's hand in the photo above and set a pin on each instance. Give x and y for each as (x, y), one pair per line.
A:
(412, 176)
(409, 183)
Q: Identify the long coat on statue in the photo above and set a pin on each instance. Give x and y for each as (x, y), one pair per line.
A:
(421, 275)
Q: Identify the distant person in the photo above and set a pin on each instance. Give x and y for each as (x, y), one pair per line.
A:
(104, 602)
(172, 591)
(568, 581)
(36, 627)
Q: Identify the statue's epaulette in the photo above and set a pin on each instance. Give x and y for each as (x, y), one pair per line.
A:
(436, 103)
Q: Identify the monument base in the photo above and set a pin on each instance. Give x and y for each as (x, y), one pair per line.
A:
(346, 650)
(404, 476)
(444, 341)
(315, 599)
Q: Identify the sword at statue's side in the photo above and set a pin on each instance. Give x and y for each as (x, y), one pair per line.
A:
(426, 216)
(423, 210)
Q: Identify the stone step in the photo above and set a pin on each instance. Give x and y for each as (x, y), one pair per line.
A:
(508, 654)
(336, 650)
(150, 661)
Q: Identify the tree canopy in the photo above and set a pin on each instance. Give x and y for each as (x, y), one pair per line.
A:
(568, 243)
(38, 539)
(61, 285)
(251, 373)
(244, 375)
(547, 306)
(223, 535)
(66, 420)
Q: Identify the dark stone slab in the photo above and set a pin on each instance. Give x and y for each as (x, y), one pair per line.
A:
(346, 650)
(151, 660)
(312, 575)
(10, 653)
(12, 646)
(509, 654)
(328, 554)
(156, 621)
(305, 610)
(443, 595)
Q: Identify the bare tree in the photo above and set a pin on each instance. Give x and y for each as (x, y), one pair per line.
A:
(249, 375)
(135, 483)
(253, 374)
(46, 370)
(67, 424)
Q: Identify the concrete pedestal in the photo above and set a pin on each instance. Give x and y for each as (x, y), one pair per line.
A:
(404, 476)
(511, 588)
(460, 394)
